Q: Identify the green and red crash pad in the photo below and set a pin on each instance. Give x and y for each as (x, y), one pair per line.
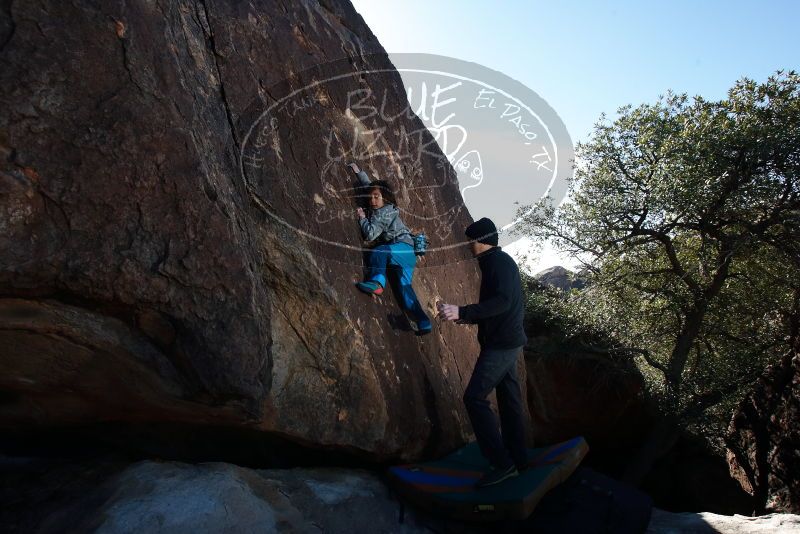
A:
(447, 486)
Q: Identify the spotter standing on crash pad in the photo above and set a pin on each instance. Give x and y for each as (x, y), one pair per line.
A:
(501, 335)
(395, 248)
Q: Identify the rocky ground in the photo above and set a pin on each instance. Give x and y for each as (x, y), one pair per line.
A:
(110, 496)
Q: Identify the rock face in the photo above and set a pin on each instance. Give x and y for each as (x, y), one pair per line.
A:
(576, 392)
(159, 263)
(222, 497)
(764, 438)
(218, 497)
(692, 478)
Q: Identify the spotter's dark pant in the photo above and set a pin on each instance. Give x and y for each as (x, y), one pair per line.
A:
(497, 368)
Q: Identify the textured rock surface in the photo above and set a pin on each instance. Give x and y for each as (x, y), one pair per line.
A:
(224, 498)
(764, 438)
(663, 522)
(144, 277)
(692, 478)
(575, 392)
(218, 497)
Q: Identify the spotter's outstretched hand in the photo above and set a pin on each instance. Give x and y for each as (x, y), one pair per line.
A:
(448, 312)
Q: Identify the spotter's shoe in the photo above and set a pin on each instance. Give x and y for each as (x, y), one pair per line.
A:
(496, 476)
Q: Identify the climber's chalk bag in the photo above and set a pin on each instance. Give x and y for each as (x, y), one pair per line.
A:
(420, 244)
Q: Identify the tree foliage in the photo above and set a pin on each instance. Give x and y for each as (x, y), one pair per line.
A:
(686, 212)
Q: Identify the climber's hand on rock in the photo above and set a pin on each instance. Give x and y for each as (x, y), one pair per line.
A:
(448, 312)
(360, 211)
(354, 167)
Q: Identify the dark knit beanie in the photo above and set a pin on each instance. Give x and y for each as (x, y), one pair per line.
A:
(483, 231)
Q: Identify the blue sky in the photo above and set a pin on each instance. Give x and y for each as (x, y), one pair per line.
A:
(585, 58)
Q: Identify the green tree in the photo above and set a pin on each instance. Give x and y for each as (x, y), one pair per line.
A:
(686, 213)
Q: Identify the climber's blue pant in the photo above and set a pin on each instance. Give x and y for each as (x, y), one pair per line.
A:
(401, 257)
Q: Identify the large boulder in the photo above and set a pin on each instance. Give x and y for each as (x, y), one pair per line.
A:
(663, 522)
(177, 497)
(764, 438)
(575, 389)
(160, 263)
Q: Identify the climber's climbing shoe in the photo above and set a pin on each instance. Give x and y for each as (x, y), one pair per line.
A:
(423, 331)
(421, 328)
(373, 288)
